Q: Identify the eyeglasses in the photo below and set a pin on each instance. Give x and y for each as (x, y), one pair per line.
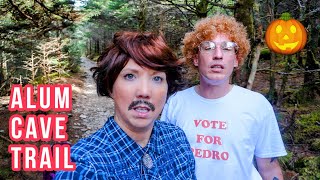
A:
(210, 46)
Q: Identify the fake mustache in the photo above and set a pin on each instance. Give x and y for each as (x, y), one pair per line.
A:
(135, 103)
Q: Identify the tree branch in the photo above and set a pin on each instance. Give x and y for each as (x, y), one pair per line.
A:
(299, 71)
(11, 142)
(221, 5)
(51, 11)
(20, 12)
(312, 12)
(171, 3)
(179, 9)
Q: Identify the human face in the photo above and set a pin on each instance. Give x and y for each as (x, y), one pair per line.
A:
(216, 66)
(133, 85)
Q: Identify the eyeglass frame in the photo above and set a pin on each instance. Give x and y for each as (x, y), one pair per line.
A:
(234, 45)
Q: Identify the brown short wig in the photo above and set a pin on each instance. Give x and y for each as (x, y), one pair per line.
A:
(208, 28)
(146, 49)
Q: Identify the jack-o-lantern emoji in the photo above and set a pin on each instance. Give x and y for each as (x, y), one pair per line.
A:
(286, 35)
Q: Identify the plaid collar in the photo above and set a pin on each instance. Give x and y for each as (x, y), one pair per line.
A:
(129, 146)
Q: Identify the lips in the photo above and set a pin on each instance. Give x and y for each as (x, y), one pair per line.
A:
(216, 67)
(141, 109)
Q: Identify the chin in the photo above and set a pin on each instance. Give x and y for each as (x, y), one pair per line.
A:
(144, 120)
(144, 124)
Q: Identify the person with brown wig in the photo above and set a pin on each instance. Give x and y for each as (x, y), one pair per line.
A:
(138, 71)
(229, 127)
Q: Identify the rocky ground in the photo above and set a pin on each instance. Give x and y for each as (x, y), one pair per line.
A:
(90, 111)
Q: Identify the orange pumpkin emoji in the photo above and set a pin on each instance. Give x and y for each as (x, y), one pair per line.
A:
(286, 35)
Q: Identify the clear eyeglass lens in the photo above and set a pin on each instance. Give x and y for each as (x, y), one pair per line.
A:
(228, 46)
(208, 46)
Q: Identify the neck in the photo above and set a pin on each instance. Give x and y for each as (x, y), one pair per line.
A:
(142, 139)
(213, 91)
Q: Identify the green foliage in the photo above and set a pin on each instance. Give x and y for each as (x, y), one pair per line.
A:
(289, 62)
(315, 146)
(24, 24)
(265, 54)
(6, 172)
(307, 128)
(299, 96)
(308, 168)
(286, 162)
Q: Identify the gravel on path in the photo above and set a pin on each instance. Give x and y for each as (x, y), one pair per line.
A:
(93, 109)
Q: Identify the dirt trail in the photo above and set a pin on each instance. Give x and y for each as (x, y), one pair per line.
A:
(93, 110)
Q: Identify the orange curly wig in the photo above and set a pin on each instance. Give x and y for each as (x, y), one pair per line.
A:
(208, 28)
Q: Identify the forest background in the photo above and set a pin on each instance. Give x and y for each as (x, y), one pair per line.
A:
(42, 41)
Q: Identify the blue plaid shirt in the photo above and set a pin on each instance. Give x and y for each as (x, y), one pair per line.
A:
(111, 154)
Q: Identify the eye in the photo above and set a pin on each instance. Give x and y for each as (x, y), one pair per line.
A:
(157, 79)
(278, 29)
(207, 46)
(293, 29)
(129, 76)
(228, 46)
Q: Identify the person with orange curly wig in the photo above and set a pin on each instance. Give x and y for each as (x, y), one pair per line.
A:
(233, 131)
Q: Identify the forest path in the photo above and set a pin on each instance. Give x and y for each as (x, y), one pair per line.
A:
(92, 110)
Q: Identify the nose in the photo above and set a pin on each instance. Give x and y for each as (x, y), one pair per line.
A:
(144, 89)
(286, 37)
(217, 54)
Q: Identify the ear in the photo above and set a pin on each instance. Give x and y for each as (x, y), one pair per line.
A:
(111, 94)
(195, 61)
(235, 63)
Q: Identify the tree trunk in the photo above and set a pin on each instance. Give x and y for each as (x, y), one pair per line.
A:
(97, 47)
(142, 16)
(1, 71)
(312, 61)
(254, 67)
(244, 13)
(284, 78)
(272, 93)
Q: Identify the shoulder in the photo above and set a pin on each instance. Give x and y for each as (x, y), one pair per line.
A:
(244, 91)
(184, 92)
(180, 96)
(249, 95)
(94, 144)
(254, 102)
(89, 156)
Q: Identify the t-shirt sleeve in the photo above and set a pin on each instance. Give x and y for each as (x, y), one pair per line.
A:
(269, 143)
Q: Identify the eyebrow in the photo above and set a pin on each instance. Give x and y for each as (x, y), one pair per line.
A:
(135, 70)
(130, 69)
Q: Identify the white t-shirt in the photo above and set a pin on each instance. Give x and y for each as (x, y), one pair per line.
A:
(226, 133)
